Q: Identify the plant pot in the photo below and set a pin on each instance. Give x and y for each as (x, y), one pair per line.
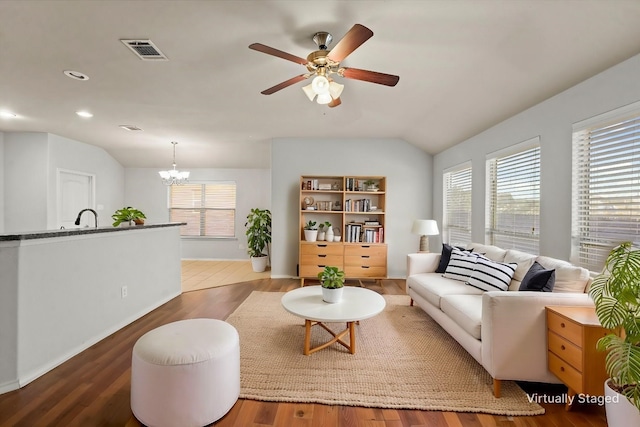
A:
(310, 235)
(328, 235)
(139, 221)
(320, 235)
(620, 412)
(337, 238)
(259, 263)
(333, 295)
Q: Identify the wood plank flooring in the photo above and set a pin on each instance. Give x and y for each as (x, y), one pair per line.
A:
(93, 388)
(197, 274)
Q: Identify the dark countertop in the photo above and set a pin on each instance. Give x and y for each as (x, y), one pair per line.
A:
(29, 235)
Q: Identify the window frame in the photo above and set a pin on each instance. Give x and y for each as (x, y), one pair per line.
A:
(500, 234)
(203, 209)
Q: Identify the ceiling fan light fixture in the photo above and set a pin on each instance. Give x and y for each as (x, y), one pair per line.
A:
(335, 89)
(308, 90)
(320, 85)
(324, 98)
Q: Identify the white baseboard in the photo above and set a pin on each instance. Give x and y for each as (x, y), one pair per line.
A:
(9, 386)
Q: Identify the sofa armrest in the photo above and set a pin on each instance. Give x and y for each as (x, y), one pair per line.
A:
(514, 332)
(423, 262)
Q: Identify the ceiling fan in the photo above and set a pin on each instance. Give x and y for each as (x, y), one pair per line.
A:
(323, 63)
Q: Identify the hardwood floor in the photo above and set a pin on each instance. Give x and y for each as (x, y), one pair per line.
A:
(197, 274)
(92, 389)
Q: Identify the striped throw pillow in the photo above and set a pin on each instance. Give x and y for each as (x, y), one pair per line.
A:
(491, 275)
(461, 265)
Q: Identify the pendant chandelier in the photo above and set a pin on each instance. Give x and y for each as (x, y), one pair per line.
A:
(173, 176)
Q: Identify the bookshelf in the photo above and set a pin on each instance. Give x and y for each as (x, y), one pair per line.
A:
(355, 208)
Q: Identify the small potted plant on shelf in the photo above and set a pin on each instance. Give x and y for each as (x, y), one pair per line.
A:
(328, 232)
(310, 231)
(332, 282)
(127, 216)
(370, 185)
(616, 294)
(258, 237)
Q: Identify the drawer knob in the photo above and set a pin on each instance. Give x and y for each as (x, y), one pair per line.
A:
(562, 325)
(365, 266)
(322, 246)
(562, 347)
(322, 256)
(365, 256)
(366, 246)
(561, 368)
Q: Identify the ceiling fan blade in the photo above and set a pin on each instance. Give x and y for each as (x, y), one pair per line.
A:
(275, 52)
(334, 102)
(370, 76)
(284, 84)
(357, 35)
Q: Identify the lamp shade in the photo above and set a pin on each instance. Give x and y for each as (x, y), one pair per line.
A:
(425, 227)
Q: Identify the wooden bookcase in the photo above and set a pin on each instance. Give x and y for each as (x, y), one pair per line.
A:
(357, 212)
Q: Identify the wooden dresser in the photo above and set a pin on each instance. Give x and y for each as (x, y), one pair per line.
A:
(572, 334)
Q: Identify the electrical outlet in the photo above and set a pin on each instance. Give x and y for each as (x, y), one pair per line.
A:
(123, 292)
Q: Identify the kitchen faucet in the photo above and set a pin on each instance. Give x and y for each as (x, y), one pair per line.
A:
(95, 214)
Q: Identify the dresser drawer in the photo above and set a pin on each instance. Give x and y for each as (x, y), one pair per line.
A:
(366, 250)
(565, 328)
(321, 248)
(565, 372)
(371, 261)
(365, 271)
(321, 259)
(313, 270)
(565, 350)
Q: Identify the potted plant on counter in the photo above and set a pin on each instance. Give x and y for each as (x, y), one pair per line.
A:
(310, 231)
(258, 237)
(616, 294)
(127, 216)
(332, 282)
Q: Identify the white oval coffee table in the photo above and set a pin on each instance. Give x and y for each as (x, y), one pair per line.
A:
(357, 304)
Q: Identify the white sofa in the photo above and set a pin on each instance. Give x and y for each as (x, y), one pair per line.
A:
(505, 331)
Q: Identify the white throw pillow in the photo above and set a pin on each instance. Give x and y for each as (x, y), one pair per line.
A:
(461, 265)
(491, 276)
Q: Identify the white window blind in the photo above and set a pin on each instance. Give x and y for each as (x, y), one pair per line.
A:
(456, 227)
(208, 209)
(513, 198)
(606, 186)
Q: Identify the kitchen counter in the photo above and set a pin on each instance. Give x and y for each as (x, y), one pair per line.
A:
(45, 234)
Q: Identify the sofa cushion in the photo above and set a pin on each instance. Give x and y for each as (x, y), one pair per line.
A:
(491, 275)
(445, 256)
(461, 265)
(492, 252)
(465, 310)
(432, 286)
(538, 279)
(569, 278)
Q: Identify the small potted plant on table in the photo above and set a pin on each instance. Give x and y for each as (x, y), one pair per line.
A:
(128, 216)
(332, 282)
(310, 231)
(616, 294)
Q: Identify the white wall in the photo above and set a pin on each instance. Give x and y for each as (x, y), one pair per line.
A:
(408, 171)
(1, 182)
(552, 121)
(145, 191)
(31, 161)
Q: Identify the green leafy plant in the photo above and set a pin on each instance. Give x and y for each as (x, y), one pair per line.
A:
(331, 277)
(616, 294)
(326, 225)
(127, 215)
(258, 231)
(311, 225)
(369, 182)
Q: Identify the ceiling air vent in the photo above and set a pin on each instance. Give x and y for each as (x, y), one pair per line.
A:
(130, 127)
(145, 50)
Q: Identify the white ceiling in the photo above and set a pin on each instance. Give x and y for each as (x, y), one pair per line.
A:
(464, 66)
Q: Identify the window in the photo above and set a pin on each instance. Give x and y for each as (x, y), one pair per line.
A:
(208, 209)
(513, 197)
(456, 227)
(606, 185)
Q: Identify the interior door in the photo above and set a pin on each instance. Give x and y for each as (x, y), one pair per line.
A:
(75, 192)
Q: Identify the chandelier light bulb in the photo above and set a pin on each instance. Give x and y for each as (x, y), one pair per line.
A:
(173, 176)
(320, 85)
(324, 98)
(335, 89)
(308, 90)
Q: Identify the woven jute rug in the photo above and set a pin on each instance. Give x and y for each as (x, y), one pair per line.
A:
(403, 360)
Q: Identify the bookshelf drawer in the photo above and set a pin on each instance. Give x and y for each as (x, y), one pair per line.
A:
(359, 260)
(321, 259)
(565, 350)
(313, 270)
(321, 249)
(365, 271)
(366, 250)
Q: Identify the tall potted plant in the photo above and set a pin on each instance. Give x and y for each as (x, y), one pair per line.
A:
(258, 237)
(332, 282)
(616, 294)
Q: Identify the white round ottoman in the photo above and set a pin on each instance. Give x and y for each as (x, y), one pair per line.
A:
(185, 373)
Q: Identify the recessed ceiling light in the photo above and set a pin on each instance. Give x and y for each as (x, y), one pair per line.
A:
(84, 114)
(76, 75)
(7, 114)
(130, 127)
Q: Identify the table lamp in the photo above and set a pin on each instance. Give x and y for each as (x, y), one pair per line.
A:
(425, 228)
